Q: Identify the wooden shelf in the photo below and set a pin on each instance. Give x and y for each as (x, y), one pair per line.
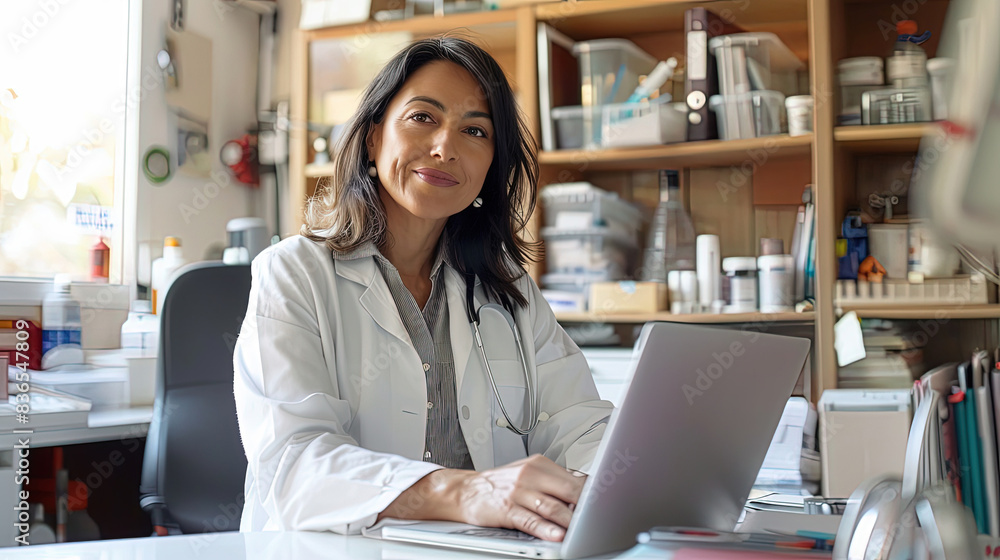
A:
(609, 18)
(938, 312)
(702, 318)
(709, 153)
(419, 25)
(319, 170)
(882, 137)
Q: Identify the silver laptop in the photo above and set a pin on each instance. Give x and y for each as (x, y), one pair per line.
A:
(683, 450)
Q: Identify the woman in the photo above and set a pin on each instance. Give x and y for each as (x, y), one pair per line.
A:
(360, 390)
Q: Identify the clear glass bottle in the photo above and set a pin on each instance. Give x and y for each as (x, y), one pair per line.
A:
(671, 243)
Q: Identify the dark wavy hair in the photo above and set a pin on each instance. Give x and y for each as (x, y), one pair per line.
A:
(347, 211)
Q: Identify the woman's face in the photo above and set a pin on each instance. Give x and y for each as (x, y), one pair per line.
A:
(435, 143)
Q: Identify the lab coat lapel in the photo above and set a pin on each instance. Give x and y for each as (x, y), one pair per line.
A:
(376, 300)
(458, 320)
(470, 380)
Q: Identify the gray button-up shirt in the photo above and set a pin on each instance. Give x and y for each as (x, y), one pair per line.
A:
(430, 335)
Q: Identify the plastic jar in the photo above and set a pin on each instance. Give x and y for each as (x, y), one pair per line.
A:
(940, 71)
(800, 114)
(776, 275)
(741, 279)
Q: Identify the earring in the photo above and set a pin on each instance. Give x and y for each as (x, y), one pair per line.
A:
(372, 171)
(478, 203)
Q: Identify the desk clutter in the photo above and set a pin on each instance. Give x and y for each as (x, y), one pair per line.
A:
(609, 93)
(888, 259)
(792, 463)
(940, 433)
(962, 445)
(595, 261)
(892, 355)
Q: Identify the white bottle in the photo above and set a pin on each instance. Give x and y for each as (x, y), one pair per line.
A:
(39, 532)
(708, 262)
(164, 269)
(61, 326)
(141, 332)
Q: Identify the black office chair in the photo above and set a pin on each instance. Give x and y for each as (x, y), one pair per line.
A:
(194, 465)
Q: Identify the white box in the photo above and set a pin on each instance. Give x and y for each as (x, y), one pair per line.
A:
(142, 381)
(103, 309)
(643, 124)
(863, 433)
(565, 302)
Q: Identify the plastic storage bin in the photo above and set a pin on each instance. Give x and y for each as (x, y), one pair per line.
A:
(894, 106)
(577, 283)
(569, 126)
(769, 64)
(609, 72)
(748, 115)
(582, 205)
(643, 124)
(856, 76)
(589, 250)
(602, 61)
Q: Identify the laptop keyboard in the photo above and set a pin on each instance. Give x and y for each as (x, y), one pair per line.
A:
(498, 533)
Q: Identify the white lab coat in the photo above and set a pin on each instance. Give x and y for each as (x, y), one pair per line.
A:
(331, 395)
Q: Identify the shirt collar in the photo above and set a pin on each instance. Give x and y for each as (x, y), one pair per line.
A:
(368, 249)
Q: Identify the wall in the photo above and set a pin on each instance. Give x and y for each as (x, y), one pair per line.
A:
(289, 12)
(196, 209)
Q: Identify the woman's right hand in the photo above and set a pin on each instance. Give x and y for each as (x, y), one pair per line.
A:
(533, 495)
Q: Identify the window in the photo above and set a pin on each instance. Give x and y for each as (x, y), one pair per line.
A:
(63, 114)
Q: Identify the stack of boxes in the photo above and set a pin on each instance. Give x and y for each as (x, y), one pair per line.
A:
(592, 236)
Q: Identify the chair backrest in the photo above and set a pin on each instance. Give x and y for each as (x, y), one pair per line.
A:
(194, 464)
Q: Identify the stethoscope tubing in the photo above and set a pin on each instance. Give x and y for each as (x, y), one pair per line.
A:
(528, 385)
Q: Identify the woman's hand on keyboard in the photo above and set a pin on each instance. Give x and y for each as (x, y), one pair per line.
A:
(534, 495)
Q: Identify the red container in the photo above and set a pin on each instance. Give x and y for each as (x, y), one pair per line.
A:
(31, 346)
(100, 257)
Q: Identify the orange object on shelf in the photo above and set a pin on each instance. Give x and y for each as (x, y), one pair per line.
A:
(871, 270)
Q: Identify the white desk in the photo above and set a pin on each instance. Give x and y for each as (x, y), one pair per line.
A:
(102, 425)
(265, 546)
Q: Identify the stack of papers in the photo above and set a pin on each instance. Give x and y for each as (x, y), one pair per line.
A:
(46, 408)
(792, 463)
(889, 357)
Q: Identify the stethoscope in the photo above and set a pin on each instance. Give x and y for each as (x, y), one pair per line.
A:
(474, 318)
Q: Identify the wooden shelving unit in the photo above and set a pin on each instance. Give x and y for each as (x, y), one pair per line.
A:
(819, 32)
(695, 318)
(880, 159)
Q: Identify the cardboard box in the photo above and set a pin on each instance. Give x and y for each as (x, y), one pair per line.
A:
(627, 297)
